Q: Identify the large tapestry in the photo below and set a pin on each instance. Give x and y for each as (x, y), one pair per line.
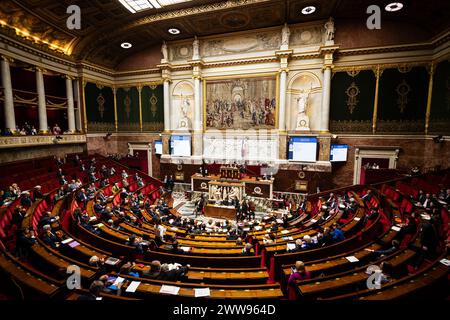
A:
(99, 107)
(244, 103)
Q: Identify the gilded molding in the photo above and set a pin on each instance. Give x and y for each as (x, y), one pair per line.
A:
(27, 141)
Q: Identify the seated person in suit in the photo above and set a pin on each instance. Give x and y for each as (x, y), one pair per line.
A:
(18, 215)
(308, 243)
(62, 181)
(101, 196)
(82, 197)
(25, 239)
(49, 237)
(47, 219)
(173, 272)
(90, 192)
(298, 246)
(153, 272)
(61, 193)
(175, 248)
(94, 291)
(107, 213)
(25, 199)
(98, 207)
(37, 193)
(72, 186)
(127, 270)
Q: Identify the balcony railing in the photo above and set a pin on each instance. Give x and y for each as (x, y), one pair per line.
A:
(40, 140)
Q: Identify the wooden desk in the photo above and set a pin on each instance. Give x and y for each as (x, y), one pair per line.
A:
(220, 212)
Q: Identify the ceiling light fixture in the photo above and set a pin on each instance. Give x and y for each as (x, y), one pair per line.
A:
(174, 31)
(126, 45)
(308, 10)
(393, 6)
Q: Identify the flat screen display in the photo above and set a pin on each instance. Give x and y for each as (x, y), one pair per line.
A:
(302, 149)
(158, 147)
(180, 146)
(338, 152)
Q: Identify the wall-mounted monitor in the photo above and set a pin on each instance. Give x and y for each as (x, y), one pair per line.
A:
(158, 147)
(338, 152)
(180, 146)
(302, 149)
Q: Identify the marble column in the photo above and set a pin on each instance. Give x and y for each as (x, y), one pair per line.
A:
(282, 100)
(10, 118)
(197, 105)
(42, 108)
(78, 100)
(70, 105)
(325, 116)
(166, 105)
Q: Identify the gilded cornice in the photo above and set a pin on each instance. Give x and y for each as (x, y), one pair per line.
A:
(240, 62)
(230, 4)
(40, 51)
(382, 66)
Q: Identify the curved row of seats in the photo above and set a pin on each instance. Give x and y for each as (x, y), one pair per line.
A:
(214, 261)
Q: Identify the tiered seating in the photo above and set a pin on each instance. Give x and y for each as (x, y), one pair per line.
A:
(217, 263)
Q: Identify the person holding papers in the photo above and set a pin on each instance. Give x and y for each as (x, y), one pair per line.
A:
(298, 273)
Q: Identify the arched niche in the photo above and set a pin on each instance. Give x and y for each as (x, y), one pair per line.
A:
(300, 82)
(182, 100)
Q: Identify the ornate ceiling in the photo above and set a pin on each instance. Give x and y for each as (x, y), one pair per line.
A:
(105, 24)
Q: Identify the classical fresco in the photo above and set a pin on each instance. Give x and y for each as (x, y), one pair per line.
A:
(245, 103)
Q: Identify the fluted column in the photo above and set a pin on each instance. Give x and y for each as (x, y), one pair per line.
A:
(42, 108)
(70, 105)
(282, 101)
(197, 105)
(166, 105)
(325, 114)
(10, 118)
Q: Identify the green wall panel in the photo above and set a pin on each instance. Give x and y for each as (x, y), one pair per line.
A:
(351, 105)
(128, 109)
(99, 107)
(152, 108)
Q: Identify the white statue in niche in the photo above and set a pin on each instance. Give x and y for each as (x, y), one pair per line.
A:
(164, 51)
(184, 108)
(285, 33)
(329, 31)
(302, 101)
(302, 122)
(195, 49)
